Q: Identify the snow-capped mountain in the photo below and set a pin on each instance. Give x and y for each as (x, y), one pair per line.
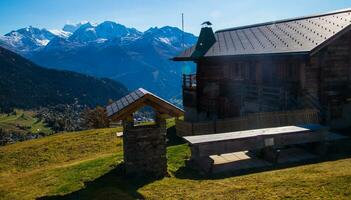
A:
(105, 31)
(27, 40)
(109, 49)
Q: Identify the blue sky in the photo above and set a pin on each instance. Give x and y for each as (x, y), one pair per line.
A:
(53, 14)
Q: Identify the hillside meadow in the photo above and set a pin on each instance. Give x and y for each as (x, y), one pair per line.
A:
(86, 165)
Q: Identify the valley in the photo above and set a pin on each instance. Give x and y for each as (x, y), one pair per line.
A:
(21, 125)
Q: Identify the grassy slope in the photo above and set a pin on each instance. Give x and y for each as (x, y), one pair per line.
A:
(23, 119)
(57, 164)
(60, 164)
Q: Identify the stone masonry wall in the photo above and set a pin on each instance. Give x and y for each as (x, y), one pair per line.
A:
(145, 150)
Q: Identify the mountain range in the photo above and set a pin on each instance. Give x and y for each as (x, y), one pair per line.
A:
(24, 84)
(111, 50)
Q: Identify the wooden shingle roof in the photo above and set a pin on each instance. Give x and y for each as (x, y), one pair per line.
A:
(303, 35)
(132, 102)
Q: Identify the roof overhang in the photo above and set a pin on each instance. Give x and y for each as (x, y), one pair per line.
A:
(304, 54)
(182, 59)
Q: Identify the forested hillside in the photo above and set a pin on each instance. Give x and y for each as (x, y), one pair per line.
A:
(24, 84)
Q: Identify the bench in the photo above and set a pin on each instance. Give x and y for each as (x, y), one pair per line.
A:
(266, 140)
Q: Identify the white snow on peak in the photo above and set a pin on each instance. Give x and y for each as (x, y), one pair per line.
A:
(101, 40)
(83, 22)
(165, 40)
(60, 33)
(91, 29)
(42, 42)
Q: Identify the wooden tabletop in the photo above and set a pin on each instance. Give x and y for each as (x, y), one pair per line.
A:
(251, 133)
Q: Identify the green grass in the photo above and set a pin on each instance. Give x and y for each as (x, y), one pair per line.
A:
(57, 164)
(86, 165)
(23, 122)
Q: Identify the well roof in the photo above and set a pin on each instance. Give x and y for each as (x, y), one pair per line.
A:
(130, 103)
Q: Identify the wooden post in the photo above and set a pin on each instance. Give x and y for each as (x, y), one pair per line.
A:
(184, 80)
(128, 122)
(302, 75)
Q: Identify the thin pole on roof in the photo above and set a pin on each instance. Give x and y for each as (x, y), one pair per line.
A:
(183, 31)
(183, 45)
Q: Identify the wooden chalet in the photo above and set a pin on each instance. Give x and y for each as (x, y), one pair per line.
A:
(292, 64)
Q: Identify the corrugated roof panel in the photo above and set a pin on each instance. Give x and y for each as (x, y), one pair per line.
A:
(262, 35)
(231, 44)
(223, 41)
(135, 97)
(119, 105)
(255, 39)
(240, 46)
(114, 107)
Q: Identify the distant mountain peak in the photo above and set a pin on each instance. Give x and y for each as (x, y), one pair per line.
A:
(27, 39)
(69, 27)
(107, 30)
(164, 29)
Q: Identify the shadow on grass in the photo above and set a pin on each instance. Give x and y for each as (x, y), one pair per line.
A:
(172, 137)
(112, 185)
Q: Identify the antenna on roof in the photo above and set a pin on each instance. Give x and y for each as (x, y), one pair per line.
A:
(183, 31)
(183, 45)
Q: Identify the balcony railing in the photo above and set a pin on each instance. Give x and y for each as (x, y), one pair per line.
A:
(189, 81)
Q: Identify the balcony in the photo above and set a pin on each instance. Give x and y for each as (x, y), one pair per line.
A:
(189, 81)
(189, 90)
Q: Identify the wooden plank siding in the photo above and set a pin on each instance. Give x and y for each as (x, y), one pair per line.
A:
(328, 76)
(251, 121)
(219, 84)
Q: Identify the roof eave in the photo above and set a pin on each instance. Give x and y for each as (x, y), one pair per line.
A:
(182, 59)
(299, 53)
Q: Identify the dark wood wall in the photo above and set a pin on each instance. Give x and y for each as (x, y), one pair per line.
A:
(328, 75)
(219, 82)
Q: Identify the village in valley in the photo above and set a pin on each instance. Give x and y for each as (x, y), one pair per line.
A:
(263, 110)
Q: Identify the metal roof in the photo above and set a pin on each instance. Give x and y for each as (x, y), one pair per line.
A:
(137, 99)
(298, 35)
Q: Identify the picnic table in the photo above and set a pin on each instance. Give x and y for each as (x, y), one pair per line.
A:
(266, 139)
